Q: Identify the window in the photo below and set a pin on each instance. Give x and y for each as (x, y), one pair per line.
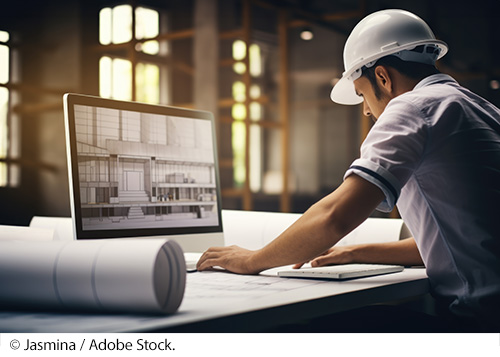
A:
(9, 173)
(239, 114)
(134, 76)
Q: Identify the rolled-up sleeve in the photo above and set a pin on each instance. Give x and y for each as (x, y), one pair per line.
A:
(393, 150)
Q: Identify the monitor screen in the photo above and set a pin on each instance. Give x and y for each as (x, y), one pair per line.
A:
(139, 169)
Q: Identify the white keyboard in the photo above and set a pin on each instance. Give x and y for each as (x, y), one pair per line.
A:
(340, 272)
(191, 260)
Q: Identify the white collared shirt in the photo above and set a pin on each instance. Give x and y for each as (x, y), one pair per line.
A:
(435, 151)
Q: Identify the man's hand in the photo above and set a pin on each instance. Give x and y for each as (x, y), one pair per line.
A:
(401, 252)
(333, 256)
(233, 258)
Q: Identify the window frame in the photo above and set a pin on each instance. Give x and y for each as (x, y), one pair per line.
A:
(128, 51)
(10, 162)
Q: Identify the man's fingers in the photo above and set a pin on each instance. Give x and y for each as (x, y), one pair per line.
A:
(207, 259)
(208, 264)
(322, 261)
(233, 258)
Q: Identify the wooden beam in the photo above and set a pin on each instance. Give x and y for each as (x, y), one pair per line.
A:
(227, 35)
(346, 15)
(36, 89)
(37, 108)
(268, 124)
(227, 62)
(168, 36)
(206, 57)
(132, 53)
(226, 102)
(175, 35)
(183, 67)
(338, 16)
(301, 14)
(284, 105)
(232, 192)
(31, 163)
(313, 103)
(247, 80)
(261, 123)
(229, 102)
(226, 163)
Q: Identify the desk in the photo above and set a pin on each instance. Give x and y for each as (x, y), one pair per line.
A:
(254, 303)
(286, 301)
(277, 301)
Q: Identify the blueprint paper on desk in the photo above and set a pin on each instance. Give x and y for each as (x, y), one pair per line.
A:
(26, 233)
(253, 230)
(40, 229)
(375, 230)
(61, 226)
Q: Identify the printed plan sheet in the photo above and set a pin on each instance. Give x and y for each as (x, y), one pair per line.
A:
(224, 287)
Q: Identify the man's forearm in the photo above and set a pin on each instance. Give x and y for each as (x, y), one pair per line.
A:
(403, 252)
(322, 226)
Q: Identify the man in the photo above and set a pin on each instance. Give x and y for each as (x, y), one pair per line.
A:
(434, 150)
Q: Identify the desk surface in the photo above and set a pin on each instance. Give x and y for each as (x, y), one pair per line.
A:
(216, 301)
(222, 302)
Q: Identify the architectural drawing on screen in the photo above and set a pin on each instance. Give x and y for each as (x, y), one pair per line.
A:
(142, 170)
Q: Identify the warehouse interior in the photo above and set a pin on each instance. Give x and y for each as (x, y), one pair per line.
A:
(265, 68)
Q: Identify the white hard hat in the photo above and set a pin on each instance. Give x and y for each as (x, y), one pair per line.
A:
(383, 33)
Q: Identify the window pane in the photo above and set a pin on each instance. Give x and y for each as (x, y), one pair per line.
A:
(254, 91)
(238, 144)
(3, 174)
(105, 25)
(151, 47)
(122, 79)
(4, 64)
(105, 77)
(122, 23)
(4, 36)
(255, 60)
(147, 83)
(147, 23)
(239, 92)
(255, 111)
(4, 137)
(239, 111)
(239, 50)
(255, 158)
(239, 67)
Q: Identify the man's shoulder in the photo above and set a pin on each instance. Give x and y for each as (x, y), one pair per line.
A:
(424, 99)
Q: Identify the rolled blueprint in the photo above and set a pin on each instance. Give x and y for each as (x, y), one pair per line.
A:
(26, 233)
(129, 275)
(61, 226)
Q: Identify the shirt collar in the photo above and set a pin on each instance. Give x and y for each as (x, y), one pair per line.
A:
(435, 79)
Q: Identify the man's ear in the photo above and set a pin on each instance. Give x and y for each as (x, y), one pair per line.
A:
(384, 79)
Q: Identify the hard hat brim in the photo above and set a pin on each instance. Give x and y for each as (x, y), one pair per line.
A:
(344, 93)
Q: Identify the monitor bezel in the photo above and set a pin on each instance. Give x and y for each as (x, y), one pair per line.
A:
(70, 100)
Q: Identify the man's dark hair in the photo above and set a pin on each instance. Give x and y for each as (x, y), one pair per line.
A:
(413, 70)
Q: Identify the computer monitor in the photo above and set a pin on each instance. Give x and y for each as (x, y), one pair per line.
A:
(141, 170)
